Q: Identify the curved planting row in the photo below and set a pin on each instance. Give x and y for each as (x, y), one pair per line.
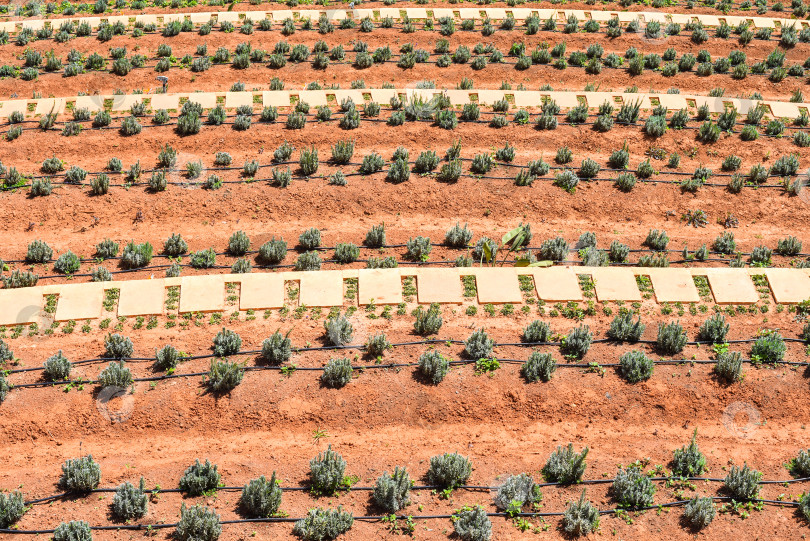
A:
(593, 60)
(789, 36)
(272, 254)
(632, 489)
(224, 375)
(562, 172)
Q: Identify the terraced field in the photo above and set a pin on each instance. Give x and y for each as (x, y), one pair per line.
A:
(495, 270)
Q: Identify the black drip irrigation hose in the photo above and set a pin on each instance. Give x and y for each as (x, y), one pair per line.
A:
(379, 518)
(258, 352)
(158, 490)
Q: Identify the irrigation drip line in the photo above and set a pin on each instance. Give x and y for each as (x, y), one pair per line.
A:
(427, 342)
(377, 518)
(505, 61)
(362, 368)
(158, 490)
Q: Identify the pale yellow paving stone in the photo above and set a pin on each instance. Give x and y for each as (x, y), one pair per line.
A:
(141, 297)
(21, 306)
(671, 285)
(81, 301)
(230, 16)
(783, 109)
(380, 286)
(94, 22)
(458, 97)
(556, 284)
(319, 288)
(488, 97)
(315, 98)
(336, 14)
(764, 22)
(125, 102)
(257, 16)
(203, 293)
(439, 285)
(544, 14)
(602, 16)
(730, 286)
(563, 99)
(496, 14)
(207, 100)
(172, 17)
(416, 13)
(613, 284)
(438, 13)
(165, 101)
(34, 25)
(340, 95)
(50, 105)
(91, 103)
(8, 26)
(520, 14)
(578, 13)
(237, 99)
(10, 106)
(680, 18)
(124, 19)
(282, 14)
(469, 13)
(276, 98)
(200, 18)
(261, 291)
(148, 18)
(528, 98)
(389, 12)
(673, 102)
(654, 16)
(497, 285)
(363, 13)
(789, 286)
(626, 17)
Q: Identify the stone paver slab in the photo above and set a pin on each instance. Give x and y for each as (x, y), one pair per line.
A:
(672, 285)
(50, 105)
(202, 293)
(20, 306)
(208, 100)
(321, 288)
(282, 14)
(315, 98)
(275, 98)
(556, 284)
(141, 297)
(91, 103)
(731, 286)
(488, 97)
(381, 286)
(439, 285)
(80, 301)
(261, 291)
(528, 98)
(789, 286)
(416, 13)
(165, 101)
(497, 285)
(614, 284)
(10, 106)
(237, 99)
(230, 16)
